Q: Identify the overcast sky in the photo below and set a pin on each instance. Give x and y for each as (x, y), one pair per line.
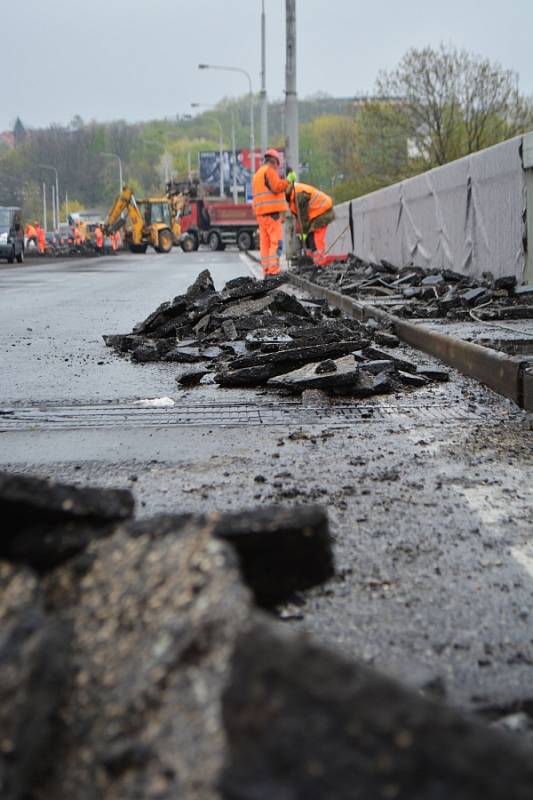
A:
(137, 59)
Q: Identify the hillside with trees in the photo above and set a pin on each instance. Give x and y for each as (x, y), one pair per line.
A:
(436, 106)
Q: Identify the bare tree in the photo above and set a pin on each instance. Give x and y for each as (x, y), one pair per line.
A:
(458, 102)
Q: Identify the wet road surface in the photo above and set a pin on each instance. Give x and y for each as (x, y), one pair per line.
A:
(52, 318)
(429, 492)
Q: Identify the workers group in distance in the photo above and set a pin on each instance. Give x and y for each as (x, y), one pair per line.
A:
(273, 197)
(79, 238)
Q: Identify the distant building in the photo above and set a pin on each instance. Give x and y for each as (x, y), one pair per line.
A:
(8, 138)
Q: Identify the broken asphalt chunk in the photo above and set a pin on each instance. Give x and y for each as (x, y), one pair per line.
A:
(154, 620)
(434, 374)
(280, 550)
(34, 675)
(192, 377)
(385, 355)
(386, 339)
(412, 378)
(304, 722)
(473, 297)
(299, 355)
(46, 523)
(343, 377)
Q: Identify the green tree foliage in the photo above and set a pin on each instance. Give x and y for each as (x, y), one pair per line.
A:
(436, 106)
(459, 103)
(328, 147)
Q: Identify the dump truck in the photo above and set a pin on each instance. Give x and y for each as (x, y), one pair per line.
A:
(152, 221)
(217, 223)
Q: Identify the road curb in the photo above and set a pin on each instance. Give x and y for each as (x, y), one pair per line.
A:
(504, 374)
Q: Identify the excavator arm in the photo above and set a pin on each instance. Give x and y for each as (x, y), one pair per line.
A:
(125, 201)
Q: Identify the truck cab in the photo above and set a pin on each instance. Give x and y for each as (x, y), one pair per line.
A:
(11, 234)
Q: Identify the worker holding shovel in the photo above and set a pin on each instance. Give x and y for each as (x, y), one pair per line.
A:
(314, 211)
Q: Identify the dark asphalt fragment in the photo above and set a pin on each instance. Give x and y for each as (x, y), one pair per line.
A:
(34, 670)
(303, 723)
(46, 523)
(254, 331)
(280, 550)
(424, 294)
(342, 377)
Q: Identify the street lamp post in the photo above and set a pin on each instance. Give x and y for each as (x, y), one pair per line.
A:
(234, 155)
(292, 154)
(264, 98)
(221, 148)
(251, 94)
(54, 209)
(120, 178)
(45, 221)
(56, 205)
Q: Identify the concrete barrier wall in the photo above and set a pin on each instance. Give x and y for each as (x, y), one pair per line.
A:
(468, 215)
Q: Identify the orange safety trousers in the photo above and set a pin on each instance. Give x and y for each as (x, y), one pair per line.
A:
(320, 240)
(270, 235)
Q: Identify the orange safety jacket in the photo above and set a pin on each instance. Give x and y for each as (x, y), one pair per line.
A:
(99, 237)
(319, 202)
(269, 191)
(31, 233)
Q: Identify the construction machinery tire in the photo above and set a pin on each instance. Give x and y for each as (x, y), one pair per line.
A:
(165, 242)
(189, 243)
(245, 240)
(214, 241)
(20, 257)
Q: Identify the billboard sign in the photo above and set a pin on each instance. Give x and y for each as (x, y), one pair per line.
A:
(209, 168)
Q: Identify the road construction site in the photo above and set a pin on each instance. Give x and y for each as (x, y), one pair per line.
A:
(425, 485)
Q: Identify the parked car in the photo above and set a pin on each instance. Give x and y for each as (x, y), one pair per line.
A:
(11, 234)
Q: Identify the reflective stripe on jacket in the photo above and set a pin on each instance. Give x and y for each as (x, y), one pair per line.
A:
(268, 191)
(319, 202)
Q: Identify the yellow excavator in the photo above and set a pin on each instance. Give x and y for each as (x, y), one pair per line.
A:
(153, 221)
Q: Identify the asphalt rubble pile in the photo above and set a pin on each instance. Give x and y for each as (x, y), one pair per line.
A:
(253, 333)
(426, 294)
(142, 659)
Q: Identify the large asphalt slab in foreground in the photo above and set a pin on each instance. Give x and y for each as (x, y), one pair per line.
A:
(52, 318)
(428, 492)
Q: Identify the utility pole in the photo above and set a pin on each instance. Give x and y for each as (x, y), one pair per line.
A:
(264, 98)
(66, 207)
(251, 95)
(221, 162)
(56, 201)
(234, 156)
(54, 208)
(45, 222)
(292, 143)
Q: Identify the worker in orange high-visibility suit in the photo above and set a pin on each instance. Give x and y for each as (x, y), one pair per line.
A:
(99, 239)
(31, 235)
(270, 207)
(77, 236)
(41, 237)
(314, 211)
